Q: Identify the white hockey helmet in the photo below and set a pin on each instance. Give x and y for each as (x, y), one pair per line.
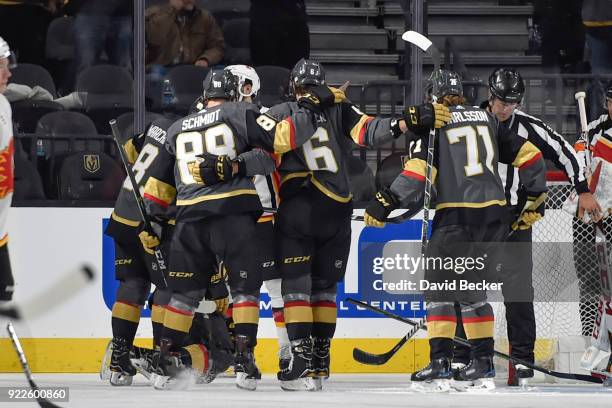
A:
(244, 73)
(5, 52)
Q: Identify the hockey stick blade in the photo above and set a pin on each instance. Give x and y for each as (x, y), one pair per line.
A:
(569, 376)
(364, 357)
(61, 290)
(424, 44)
(44, 403)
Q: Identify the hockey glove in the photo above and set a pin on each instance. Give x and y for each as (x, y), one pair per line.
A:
(533, 211)
(379, 208)
(426, 116)
(149, 241)
(222, 305)
(211, 169)
(321, 97)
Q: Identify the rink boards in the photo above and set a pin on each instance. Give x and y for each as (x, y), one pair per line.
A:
(45, 242)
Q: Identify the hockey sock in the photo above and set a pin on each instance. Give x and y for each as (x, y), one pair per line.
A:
(276, 299)
(441, 326)
(177, 321)
(245, 314)
(198, 357)
(324, 313)
(478, 323)
(298, 316)
(125, 318)
(157, 321)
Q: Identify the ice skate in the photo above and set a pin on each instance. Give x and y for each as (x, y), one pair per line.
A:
(219, 361)
(520, 377)
(105, 372)
(477, 376)
(247, 373)
(171, 369)
(433, 378)
(121, 369)
(299, 374)
(142, 360)
(284, 357)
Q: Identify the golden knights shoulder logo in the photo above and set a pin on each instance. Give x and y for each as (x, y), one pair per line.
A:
(91, 162)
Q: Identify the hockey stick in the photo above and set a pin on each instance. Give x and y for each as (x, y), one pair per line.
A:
(159, 257)
(43, 402)
(379, 359)
(61, 290)
(464, 342)
(408, 214)
(584, 129)
(427, 46)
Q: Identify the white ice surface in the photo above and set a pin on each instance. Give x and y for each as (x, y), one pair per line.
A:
(347, 391)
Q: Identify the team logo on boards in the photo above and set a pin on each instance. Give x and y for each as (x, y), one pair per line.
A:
(91, 162)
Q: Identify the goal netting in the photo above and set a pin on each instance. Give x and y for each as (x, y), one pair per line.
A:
(566, 286)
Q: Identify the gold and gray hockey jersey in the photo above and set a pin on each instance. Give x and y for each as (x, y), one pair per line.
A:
(144, 152)
(465, 173)
(231, 128)
(323, 157)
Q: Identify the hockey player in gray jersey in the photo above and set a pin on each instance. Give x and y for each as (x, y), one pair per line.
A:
(470, 208)
(312, 224)
(134, 264)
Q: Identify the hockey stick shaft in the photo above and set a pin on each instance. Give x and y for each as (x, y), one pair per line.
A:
(464, 342)
(393, 220)
(159, 257)
(61, 290)
(427, 197)
(584, 128)
(26, 367)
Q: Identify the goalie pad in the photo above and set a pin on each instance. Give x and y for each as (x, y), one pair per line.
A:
(600, 184)
(596, 358)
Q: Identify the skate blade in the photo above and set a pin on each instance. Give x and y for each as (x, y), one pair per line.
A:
(105, 372)
(119, 379)
(482, 385)
(318, 382)
(244, 383)
(431, 386)
(301, 384)
(142, 367)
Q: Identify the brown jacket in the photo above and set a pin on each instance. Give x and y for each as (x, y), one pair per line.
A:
(171, 42)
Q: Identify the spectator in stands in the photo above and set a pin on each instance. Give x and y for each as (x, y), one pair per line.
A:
(102, 26)
(182, 33)
(597, 20)
(24, 25)
(279, 32)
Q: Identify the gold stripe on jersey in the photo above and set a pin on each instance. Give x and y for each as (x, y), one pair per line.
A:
(130, 151)
(216, 196)
(3, 240)
(358, 130)
(295, 175)
(126, 311)
(527, 152)
(329, 193)
(266, 218)
(471, 205)
(597, 23)
(419, 167)
(159, 190)
(284, 136)
(125, 221)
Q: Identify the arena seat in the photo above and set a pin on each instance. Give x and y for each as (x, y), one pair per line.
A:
(28, 184)
(89, 176)
(32, 75)
(125, 123)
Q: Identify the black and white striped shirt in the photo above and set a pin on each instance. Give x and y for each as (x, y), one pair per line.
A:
(553, 146)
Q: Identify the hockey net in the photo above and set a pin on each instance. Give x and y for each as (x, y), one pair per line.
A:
(566, 286)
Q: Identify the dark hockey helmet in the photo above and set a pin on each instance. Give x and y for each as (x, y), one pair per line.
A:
(444, 83)
(220, 84)
(306, 72)
(507, 85)
(609, 90)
